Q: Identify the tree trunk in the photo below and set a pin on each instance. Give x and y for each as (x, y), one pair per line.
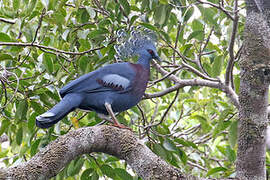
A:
(253, 97)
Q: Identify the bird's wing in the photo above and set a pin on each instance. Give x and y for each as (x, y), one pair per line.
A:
(116, 77)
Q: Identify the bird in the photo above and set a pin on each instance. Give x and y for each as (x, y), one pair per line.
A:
(111, 89)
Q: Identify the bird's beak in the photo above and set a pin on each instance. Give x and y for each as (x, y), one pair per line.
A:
(157, 58)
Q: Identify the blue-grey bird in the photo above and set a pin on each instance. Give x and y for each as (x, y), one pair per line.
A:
(111, 89)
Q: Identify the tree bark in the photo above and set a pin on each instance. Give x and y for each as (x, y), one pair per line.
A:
(253, 97)
(111, 140)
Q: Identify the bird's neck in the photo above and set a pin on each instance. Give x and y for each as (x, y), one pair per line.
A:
(144, 61)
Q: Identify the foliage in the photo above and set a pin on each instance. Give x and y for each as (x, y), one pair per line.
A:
(45, 44)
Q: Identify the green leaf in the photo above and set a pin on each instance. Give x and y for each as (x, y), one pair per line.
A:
(75, 166)
(4, 153)
(94, 176)
(159, 150)
(185, 143)
(95, 33)
(34, 147)
(133, 19)
(188, 14)
(149, 26)
(196, 25)
(84, 16)
(160, 14)
(86, 174)
(16, 4)
(164, 1)
(92, 13)
(37, 107)
(21, 110)
(78, 166)
(47, 61)
(169, 145)
(215, 170)
(126, 6)
(31, 7)
(209, 15)
(237, 83)
(221, 126)
(203, 121)
(222, 123)
(123, 174)
(217, 66)
(32, 121)
(230, 153)
(182, 156)
(5, 57)
(233, 134)
(108, 171)
(4, 37)
(19, 136)
(4, 126)
(196, 34)
(83, 62)
(59, 18)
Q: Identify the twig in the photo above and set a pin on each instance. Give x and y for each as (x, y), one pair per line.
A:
(218, 7)
(4, 78)
(167, 110)
(23, 61)
(179, 29)
(229, 68)
(7, 21)
(39, 24)
(196, 165)
(205, 76)
(166, 76)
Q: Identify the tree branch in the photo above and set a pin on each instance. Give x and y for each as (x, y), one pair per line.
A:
(7, 21)
(47, 47)
(179, 83)
(111, 140)
(218, 7)
(229, 69)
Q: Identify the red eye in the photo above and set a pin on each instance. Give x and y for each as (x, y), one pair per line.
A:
(151, 52)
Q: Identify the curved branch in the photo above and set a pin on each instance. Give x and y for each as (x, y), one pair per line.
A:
(111, 140)
(218, 7)
(179, 83)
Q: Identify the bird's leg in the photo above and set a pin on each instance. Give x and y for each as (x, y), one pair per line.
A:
(105, 118)
(111, 113)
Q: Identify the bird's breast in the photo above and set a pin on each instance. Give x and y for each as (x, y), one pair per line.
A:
(140, 80)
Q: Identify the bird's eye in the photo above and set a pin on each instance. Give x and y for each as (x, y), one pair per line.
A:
(151, 52)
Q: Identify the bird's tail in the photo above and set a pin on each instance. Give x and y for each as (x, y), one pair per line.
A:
(60, 110)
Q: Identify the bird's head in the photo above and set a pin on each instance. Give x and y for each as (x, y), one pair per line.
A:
(139, 42)
(149, 51)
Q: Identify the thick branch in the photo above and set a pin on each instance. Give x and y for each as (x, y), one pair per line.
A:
(111, 140)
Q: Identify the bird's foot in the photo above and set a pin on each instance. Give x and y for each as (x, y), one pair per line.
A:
(121, 126)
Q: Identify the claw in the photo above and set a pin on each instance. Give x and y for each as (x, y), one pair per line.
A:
(121, 126)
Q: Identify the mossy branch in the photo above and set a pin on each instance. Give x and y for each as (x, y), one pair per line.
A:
(111, 140)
